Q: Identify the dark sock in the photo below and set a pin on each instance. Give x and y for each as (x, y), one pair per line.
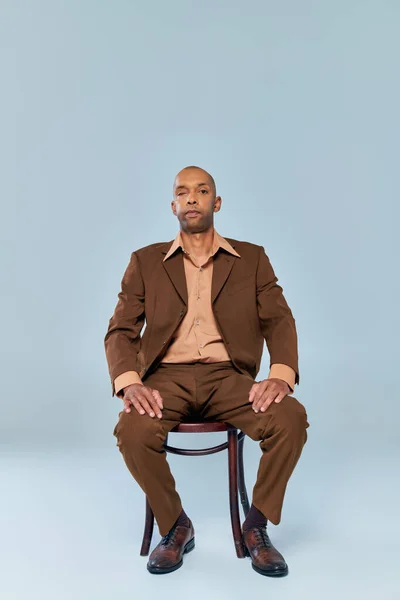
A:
(183, 519)
(255, 518)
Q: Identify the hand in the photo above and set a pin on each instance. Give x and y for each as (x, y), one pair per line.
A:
(143, 398)
(264, 392)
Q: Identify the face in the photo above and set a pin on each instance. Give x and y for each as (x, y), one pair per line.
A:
(195, 201)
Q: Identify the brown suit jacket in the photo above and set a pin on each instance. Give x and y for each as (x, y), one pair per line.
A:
(248, 305)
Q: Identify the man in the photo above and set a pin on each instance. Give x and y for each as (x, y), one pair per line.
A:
(209, 303)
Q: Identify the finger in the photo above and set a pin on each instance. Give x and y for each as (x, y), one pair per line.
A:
(127, 405)
(138, 406)
(149, 403)
(143, 401)
(260, 402)
(153, 402)
(257, 402)
(266, 404)
(267, 401)
(252, 392)
(260, 395)
(280, 397)
(158, 398)
(258, 390)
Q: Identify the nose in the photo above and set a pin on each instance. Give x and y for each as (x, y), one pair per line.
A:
(191, 199)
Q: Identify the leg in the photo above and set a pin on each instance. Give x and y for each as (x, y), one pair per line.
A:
(140, 439)
(281, 431)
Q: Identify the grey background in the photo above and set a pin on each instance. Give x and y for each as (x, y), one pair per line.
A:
(293, 107)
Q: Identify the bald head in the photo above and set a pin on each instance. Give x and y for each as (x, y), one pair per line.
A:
(200, 174)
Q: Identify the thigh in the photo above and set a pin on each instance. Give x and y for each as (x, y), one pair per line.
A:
(229, 403)
(175, 388)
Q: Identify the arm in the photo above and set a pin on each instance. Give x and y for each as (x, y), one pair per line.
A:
(125, 379)
(122, 340)
(276, 320)
(284, 372)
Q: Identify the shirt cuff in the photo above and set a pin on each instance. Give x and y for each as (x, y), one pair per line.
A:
(284, 372)
(125, 379)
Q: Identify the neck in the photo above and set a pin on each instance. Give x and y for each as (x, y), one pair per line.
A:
(198, 244)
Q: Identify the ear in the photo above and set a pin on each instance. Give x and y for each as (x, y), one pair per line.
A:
(217, 204)
(173, 207)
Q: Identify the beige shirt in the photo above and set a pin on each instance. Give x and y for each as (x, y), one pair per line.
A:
(197, 339)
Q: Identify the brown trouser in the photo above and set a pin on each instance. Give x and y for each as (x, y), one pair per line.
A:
(218, 392)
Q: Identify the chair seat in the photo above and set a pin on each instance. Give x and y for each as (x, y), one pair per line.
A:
(202, 427)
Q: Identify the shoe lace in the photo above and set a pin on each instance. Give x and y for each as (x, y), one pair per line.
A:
(170, 537)
(261, 537)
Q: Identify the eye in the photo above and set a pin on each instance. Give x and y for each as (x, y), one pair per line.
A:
(205, 191)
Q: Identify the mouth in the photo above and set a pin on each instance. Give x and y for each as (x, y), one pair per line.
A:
(191, 213)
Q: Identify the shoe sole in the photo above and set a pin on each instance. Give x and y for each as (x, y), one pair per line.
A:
(159, 571)
(276, 573)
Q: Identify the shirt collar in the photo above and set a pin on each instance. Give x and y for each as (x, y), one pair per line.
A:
(218, 242)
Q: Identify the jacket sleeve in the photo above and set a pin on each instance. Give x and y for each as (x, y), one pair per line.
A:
(283, 372)
(276, 320)
(124, 380)
(122, 340)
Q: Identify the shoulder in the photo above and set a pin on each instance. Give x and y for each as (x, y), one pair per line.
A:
(245, 249)
(149, 257)
(151, 249)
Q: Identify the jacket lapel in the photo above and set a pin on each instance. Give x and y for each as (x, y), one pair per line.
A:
(222, 266)
(176, 272)
(223, 263)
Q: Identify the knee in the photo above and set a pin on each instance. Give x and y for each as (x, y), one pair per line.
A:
(290, 418)
(136, 432)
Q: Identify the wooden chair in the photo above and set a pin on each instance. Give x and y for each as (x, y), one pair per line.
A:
(234, 444)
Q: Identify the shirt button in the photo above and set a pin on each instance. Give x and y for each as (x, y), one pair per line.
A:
(201, 268)
(201, 345)
(197, 322)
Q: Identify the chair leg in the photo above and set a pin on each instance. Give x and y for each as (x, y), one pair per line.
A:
(242, 484)
(148, 530)
(233, 492)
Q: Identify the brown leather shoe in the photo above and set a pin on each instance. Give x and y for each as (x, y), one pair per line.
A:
(167, 556)
(265, 559)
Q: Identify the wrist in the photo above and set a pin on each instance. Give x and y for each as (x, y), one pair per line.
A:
(130, 385)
